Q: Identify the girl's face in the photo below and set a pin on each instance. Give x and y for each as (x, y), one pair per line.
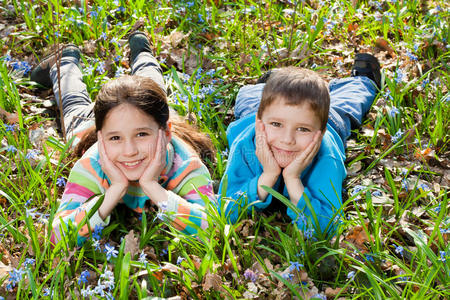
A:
(130, 137)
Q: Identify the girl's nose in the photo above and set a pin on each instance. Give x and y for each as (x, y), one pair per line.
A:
(130, 148)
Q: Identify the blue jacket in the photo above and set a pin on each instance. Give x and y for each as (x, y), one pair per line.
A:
(322, 179)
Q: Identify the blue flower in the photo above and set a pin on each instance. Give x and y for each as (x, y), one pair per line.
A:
(28, 202)
(411, 56)
(84, 277)
(87, 292)
(309, 233)
(394, 111)
(10, 127)
(399, 76)
(250, 275)
(180, 260)
(121, 9)
(398, 135)
(295, 265)
(119, 71)
(288, 276)
(351, 275)
(405, 184)
(300, 254)
(29, 261)
(101, 67)
(424, 187)
(48, 292)
(11, 149)
(369, 258)
(103, 36)
(15, 276)
(32, 213)
(190, 4)
(377, 193)
(358, 188)
(143, 258)
(94, 14)
(398, 249)
(319, 296)
(96, 245)
(97, 234)
(163, 252)
(443, 256)
(32, 154)
(110, 251)
(60, 181)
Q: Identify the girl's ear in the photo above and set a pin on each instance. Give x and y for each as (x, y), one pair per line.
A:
(168, 131)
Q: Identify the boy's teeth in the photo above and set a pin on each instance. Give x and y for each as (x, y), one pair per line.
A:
(131, 164)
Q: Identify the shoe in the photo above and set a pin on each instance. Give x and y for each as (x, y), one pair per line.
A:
(264, 77)
(367, 65)
(138, 42)
(41, 73)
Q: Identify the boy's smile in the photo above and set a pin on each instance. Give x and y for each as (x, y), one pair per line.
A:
(289, 129)
(128, 133)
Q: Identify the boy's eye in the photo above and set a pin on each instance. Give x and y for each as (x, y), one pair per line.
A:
(114, 138)
(303, 129)
(275, 124)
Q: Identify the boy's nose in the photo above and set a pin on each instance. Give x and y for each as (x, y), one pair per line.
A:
(288, 138)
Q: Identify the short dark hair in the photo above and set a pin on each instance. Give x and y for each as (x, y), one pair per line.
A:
(297, 86)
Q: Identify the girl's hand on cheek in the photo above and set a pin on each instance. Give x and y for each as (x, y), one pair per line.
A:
(263, 152)
(157, 160)
(114, 174)
(301, 161)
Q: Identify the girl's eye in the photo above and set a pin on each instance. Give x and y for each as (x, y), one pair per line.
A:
(275, 124)
(140, 134)
(303, 129)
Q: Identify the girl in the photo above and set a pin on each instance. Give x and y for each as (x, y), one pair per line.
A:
(137, 157)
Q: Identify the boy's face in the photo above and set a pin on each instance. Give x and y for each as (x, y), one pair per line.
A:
(289, 129)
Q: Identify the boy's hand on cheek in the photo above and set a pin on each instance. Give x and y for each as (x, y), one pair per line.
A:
(301, 161)
(263, 152)
(114, 174)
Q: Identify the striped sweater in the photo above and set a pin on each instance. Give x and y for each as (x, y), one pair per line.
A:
(183, 174)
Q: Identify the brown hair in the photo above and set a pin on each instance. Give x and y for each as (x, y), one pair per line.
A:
(144, 94)
(297, 86)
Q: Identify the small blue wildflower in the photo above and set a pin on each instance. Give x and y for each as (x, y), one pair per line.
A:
(94, 14)
(84, 277)
(32, 154)
(399, 76)
(119, 24)
(60, 182)
(32, 213)
(161, 215)
(411, 56)
(87, 292)
(10, 127)
(180, 260)
(48, 292)
(143, 258)
(424, 187)
(358, 188)
(443, 256)
(300, 254)
(11, 149)
(121, 9)
(163, 252)
(29, 262)
(239, 193)
(250, 275)
(398, 135)
(7, 57)
(403, 278)
(398, 249)
(309, 233)
(394, 111)
(313, 66)
(351, 275)
(189, 4)
(115, 42)
(369, 258)
(28, 202)
(225, 153)
(319, 296)
(313, 27)
(103, 36)
(405, 184)
(295, 265)
(288, 276)
(119, 71)
(101, 67)
(110, 251)
(377, 193)
(97, 234)
(15, 276)
(404, 171)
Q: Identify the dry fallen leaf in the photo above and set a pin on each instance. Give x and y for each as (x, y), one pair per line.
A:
(213, 281)
(131, 244)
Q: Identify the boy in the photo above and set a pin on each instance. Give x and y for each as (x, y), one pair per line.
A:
(295, 143)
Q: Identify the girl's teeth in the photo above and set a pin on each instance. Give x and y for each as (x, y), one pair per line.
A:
(131, 164)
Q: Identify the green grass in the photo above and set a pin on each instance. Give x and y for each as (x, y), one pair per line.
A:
(396, 197)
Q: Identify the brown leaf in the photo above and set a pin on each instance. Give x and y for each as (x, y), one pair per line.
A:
(384, 45)
(4, 269)
(330, 292)
(131, 244)
(213, 281)
(10, 118)
(358, 237)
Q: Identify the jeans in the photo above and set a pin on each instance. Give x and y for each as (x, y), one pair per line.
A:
(76, 104)
(350, 100)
